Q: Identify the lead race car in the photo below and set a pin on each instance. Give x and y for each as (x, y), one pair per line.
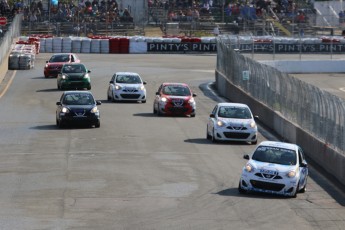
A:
(275, 168)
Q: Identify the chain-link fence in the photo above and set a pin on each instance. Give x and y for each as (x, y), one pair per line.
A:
(318, 112)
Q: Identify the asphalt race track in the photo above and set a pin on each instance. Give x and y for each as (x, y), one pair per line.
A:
(138, 170)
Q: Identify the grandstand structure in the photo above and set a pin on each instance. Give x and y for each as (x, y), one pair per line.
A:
(319, 18)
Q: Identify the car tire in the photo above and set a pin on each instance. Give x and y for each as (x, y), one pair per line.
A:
(98, 124)
(192, 115)
(46, 76)
(240, 189)
(108, 97)
(60, 125)
(213, 138)
(158, 111)
(208, 136)
(89, 87)
(144, 101)
(254, 142)
(302, 190)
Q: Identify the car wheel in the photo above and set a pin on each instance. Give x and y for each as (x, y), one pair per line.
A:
(144, 101)
(294, 195)
(254, 142)
(302, 190)
(208, 136)
(60, 124)
(108, 97)
(98, 124)
(159, 111)
(240, 189)
(192, 115)
(89, 87)
(214, 140)
(46, 76)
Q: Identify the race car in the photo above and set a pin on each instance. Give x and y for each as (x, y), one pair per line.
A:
(174, 99)
(275, 168)
(54, 64)
(232, 122)
(126, 86)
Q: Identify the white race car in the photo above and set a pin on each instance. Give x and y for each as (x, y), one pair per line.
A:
(276, 168)
(232, 122)
(126, 86)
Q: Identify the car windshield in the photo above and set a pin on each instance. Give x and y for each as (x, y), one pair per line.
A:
(234, 112)
(128, 79)
(74, 69)
(59, 58)
(176, 90)
(275, 155)
(78, 99)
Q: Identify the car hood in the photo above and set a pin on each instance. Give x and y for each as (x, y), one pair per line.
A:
(172, 98)
(235, 122)
(271, 168)
(75, 74)
(56, 63)
(80, 107)
(129, 86)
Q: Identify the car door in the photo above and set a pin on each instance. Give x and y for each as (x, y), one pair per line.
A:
(212, 119)
(303, 167)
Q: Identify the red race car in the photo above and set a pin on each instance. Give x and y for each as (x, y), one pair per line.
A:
(54, 65)
(174, 99)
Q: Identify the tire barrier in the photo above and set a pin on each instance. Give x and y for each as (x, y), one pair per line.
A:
(22, 55)
(175, 44)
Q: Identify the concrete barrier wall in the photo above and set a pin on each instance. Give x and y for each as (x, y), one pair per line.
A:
(329, 159)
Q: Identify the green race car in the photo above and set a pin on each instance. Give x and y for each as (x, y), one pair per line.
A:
(74, 76)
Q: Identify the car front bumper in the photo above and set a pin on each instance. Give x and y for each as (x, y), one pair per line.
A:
(284, 186)
(222, 133)
(119, 95)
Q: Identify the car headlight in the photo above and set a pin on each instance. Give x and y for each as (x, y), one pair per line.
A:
(163, 99)
(252, 124)
(249, 167)
(291, 173)
(87, 76)
(64, 76)
(46, 66)
(142, 87)
(65, 110)
(191, 101)
(117, 87)
(220, 123)
(94, 110)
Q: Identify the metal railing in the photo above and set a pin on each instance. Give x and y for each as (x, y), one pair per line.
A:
(318, 112)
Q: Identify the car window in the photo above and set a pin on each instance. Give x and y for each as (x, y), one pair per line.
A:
(78, 99)
(59, 58)
(176, 90)
(275, 155)
(74, 69)
(234, 112)
(128, 79)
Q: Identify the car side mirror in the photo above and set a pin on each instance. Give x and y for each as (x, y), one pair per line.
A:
(194, 95)
(98, 102)
(58, 103)
(212, 115)
(303, 164)
(246, 156)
